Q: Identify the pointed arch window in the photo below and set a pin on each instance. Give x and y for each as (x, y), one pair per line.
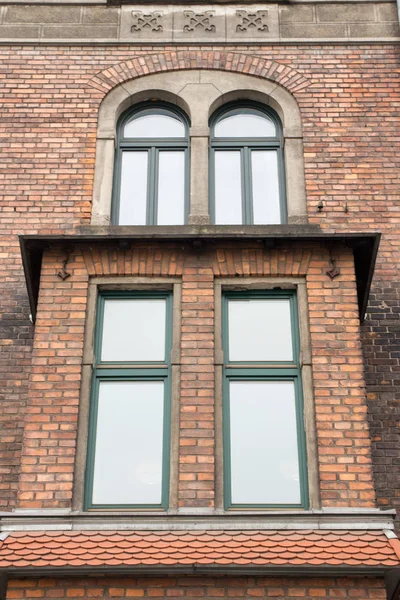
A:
(247, 171)
(152, 167)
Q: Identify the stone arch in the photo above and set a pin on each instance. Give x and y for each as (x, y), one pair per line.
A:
(176, 77)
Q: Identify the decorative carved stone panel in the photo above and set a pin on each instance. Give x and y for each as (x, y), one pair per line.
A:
(252, 21)
(199, 21)
(150, 21)
(147, 25)
(231, 23)
(249, 24)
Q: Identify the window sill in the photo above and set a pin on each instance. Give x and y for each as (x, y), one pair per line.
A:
(198, 231)
(201, 519)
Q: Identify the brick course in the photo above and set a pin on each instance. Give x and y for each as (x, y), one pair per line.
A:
(196, 587)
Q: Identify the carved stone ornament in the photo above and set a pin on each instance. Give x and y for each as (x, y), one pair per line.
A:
(252, 20)
(150, 22)
(198, 20)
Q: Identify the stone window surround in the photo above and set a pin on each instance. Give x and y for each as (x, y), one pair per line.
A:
(146, 283)
(198, 93)
(133, 283)
(266, 283)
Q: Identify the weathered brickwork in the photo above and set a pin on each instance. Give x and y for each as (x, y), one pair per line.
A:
(52, 413)
(382, 353)
(196, 587)
(348, 97)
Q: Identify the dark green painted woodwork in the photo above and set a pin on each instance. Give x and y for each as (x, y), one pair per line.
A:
(245, 146)
(153, 146)
(137, 371)
(257, 371)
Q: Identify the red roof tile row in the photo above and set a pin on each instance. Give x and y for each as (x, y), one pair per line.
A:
(205, 548)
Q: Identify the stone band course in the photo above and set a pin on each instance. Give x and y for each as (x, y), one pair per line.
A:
(203, 23)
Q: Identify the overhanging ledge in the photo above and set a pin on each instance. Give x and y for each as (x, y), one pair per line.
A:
(364, 245)
(392, 576)
(231, 570)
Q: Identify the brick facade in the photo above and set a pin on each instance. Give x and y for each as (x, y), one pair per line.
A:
(348, 97)
(48, 173)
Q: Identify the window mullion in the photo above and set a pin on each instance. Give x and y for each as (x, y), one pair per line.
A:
(187, 183)
(248, 186)
(116, 186)
(282, 184)
(151, 187)
(243, 183)
(211, 183)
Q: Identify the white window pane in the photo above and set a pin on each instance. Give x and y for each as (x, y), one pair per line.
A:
(171, 188)
(133, 330)
(260, 330)
(265, 179)
(228, 188)
(245, 126)
(154, 126)
(133, 192)
(129, 440)
(264, 453)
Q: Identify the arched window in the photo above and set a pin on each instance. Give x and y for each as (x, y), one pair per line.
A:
(247, 175)
(152, 164)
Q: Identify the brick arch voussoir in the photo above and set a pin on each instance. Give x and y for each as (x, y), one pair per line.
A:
(140, 66)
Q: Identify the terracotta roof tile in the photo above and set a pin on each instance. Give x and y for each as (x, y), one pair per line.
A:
(212, 548)
(395, 544)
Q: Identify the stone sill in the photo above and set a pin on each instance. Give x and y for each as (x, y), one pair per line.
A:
(193, 232)
(202, 519)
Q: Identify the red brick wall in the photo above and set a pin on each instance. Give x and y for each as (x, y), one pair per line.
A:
(48, 123)
(197, 587)
(50, 432)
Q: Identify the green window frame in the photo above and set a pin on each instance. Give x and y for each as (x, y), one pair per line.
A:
(269, 371)
(124, 371)
(153, 146)
(246, 146)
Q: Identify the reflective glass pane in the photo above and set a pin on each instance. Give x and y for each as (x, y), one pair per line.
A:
(171, 188)
(260, 330)
(154, 126)
(265, 180)
(133, 330)
(133, 191)
(264, 453)
(228, 188)
(129, 439)
(245, 126)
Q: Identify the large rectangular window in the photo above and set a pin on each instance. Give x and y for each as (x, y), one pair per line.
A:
(128, 450)
(264, 446)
